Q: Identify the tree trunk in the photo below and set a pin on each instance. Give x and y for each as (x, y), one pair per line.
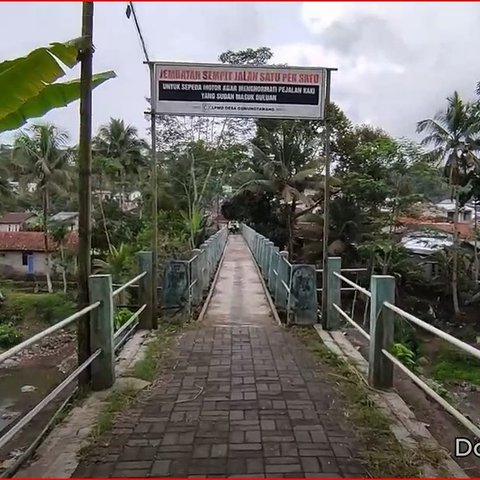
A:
(456, 307)
(476, 262)
(102, 212)
(290, 228)
(85, 190)
(45, 238)
(64, 273)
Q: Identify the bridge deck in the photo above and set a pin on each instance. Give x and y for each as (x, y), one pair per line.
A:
(243, 398)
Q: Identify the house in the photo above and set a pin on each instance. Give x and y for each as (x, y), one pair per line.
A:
(16, 221)
(66, 218)
(465, 214)
(22, 254)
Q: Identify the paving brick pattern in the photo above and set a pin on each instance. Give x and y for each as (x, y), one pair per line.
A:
(240, 400)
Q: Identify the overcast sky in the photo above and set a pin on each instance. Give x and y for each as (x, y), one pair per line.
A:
(397, 62)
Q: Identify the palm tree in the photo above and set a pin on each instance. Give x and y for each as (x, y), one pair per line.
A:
(45, 158)
(120, 142)
(285, 163)
(455, 136)
(59, 233)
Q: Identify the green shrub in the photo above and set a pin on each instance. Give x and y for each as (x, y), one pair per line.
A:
(404, 354)
(9, 335)
(452, 365)
(47, 307)
(121, 317)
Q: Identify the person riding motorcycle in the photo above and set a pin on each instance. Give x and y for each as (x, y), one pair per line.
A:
(233, 227)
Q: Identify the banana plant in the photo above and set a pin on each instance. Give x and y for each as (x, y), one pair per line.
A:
(29, 84)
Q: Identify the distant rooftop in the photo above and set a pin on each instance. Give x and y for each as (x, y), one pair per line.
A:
(63, 216)
(32, 242)
(16, 217)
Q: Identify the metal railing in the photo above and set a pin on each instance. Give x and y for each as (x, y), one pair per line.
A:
(187, 281)
(281, 277)
(104, 341)
(381, 333)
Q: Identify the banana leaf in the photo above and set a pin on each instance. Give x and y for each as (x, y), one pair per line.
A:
(51, 96)
(25, 77)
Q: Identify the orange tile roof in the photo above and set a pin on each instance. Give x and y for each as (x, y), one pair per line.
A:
(32, 242)
(464, 230)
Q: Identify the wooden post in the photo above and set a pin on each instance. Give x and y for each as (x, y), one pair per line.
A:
(334, 286)
(380, 369)
(145, 290)
(101, 332)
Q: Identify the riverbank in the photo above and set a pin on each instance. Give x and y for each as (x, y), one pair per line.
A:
(24, 381)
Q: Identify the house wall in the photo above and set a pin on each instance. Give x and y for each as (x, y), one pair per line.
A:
(10, 227)
(11, 265)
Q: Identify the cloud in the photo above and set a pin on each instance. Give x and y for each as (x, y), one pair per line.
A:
(397, 62)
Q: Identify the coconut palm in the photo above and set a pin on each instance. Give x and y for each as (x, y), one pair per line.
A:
(455, 136)
(45, 159)
(285, 163)
(59, 233)
(120, 142)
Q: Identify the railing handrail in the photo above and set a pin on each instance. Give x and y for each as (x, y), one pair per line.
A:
(25, 419)
(44, 333)
(357, 287)
(346, 270)
(475, 352)
(128, 284)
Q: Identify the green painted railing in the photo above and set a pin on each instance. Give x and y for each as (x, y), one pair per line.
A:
(383, 312)
(104, 340)
(293, 287)
(186, 282)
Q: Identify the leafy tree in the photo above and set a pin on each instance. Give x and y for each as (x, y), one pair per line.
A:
(120, 143)
(46, 160)
(454, 134)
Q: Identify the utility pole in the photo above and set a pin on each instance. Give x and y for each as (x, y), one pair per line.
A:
(154, 166)
(84, 190)
(155, 194)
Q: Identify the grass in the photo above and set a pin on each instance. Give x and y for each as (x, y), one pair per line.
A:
(116, 403)
(384, 455)
(158, 350)
(451, 365)
(46, 307)
(148, 368)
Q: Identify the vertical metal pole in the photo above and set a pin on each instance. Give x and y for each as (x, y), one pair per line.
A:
(326, 204)
(154, 195)
(85, 190)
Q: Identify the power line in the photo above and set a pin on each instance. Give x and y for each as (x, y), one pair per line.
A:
(131, 11)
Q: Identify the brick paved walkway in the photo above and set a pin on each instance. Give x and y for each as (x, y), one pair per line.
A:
(243, 398)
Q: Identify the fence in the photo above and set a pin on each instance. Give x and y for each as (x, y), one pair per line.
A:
(104, 341)
(381, 332)
(293, 287)
(187, 281)
(291, 284)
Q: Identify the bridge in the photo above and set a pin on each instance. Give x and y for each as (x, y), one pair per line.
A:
(256, 386)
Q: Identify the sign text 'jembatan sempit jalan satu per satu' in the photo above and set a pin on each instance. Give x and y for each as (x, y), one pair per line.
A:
(239, 91)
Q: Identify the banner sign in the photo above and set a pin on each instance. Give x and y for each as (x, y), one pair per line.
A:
(239, 91)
